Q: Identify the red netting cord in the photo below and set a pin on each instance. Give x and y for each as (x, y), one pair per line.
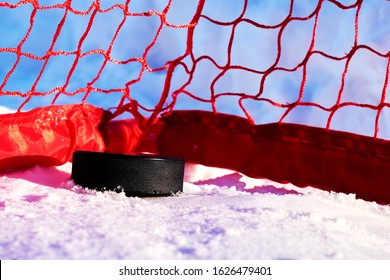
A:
(383, 98)
(170, 66)
(303, 155)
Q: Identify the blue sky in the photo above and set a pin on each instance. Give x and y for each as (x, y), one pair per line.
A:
(252, 47)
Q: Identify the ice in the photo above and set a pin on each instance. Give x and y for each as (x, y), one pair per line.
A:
(221, 214)
(43, 215)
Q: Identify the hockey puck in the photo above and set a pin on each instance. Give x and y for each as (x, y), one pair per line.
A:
(135, 175)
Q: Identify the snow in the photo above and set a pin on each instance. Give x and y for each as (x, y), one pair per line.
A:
(220, 214)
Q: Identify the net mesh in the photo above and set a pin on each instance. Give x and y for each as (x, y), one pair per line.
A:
(318, 63)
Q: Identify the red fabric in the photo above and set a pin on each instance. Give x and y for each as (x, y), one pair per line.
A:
(122, 136)
(48, 136)
(305, 156)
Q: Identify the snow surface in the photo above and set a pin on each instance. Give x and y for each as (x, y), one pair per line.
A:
(220, 215)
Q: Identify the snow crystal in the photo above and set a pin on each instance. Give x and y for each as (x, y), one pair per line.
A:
(44, 215)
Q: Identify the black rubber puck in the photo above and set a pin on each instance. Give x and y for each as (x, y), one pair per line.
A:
(135, 175)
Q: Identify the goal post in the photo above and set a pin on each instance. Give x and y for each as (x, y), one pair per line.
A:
(294, 91)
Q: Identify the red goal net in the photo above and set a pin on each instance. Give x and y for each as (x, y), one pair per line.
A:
(295, 91)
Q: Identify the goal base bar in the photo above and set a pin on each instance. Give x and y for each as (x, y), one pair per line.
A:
(287, 153)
